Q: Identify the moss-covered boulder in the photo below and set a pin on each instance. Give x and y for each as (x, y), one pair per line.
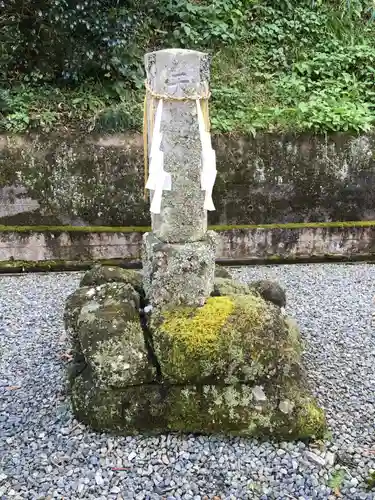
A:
(269, 290)
(231, 339)
(228, 286)
(100, 274)
(84, 294)
(73, 306)
(108, 331)
(235, 410)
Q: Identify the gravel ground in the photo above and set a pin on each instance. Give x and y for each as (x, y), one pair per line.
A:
(45, 453)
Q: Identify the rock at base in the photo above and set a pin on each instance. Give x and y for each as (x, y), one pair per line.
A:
(235, 410)
(221, 272)
(270, 290)
(231, 365)
(104, 327)
(228, 286)
(100, 274)
(231, 339)
(175, 274)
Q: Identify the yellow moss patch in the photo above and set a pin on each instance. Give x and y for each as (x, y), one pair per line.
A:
(199, 328)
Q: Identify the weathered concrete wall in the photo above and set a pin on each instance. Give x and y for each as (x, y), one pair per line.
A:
(247, 245)
(70, 179)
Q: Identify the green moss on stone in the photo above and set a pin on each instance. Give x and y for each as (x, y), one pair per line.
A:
(311, 420)
(73, 306)
(100, 274)
(153, 408)
(221, 272)
(295, 225)
(230, 339)
(225, 286)
(295, 338)
(218, 228)
(104, 322)
(198, 329)
(371, 481)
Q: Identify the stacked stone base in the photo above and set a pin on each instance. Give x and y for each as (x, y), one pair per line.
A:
(231, 366)
(207, 409)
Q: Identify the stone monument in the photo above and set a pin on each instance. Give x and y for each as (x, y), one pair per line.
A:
(179, 254)
(181, 346)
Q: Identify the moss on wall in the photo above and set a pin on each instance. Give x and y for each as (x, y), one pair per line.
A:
(20, 266)
(268, 179)
(143, 229)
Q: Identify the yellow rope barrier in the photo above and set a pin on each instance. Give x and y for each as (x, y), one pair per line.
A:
(154, 95)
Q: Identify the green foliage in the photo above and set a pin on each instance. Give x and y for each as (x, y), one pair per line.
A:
(336, 480)
(287, 65)
(204, 24)
(90, 106)
(301, 68)
(371, 481)
(71, 41)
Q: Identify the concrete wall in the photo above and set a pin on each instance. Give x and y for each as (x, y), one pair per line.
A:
(70, 179)
(249, 245)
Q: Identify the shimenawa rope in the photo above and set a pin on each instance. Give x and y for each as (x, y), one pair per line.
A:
(151, 96)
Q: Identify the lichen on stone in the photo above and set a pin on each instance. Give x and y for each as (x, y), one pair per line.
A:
(221, 272)
(269, 290)
(228, 286)
(122, 360)
(104, 325)
(100, 275)
(155, 408)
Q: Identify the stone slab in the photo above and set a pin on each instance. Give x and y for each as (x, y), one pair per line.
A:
(234, 410)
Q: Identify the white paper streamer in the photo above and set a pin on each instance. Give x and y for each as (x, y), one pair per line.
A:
(158, 180)
(208, 177)
(209, 172)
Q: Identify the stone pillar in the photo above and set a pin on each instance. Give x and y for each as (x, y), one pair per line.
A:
(179, 73)
(179, 254)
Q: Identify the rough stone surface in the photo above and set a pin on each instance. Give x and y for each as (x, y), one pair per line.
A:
(180, 73)
(228, 286)
(236, 410)
(176, 274)
(231, 366)
(73, 306)
(229, 340)
(19, 250)
(104, 325)
(270, 291)
(272, 178)
(221, 272)
(100, 275)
